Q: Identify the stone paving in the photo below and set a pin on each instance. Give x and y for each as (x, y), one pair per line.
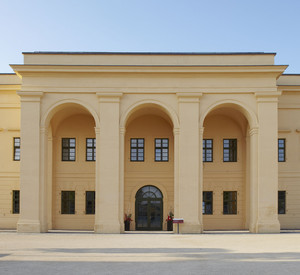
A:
(143, 253)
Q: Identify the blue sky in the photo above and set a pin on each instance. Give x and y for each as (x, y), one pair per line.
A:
(150, 25)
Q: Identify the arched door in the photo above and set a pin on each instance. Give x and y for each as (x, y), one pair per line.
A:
(148, 208)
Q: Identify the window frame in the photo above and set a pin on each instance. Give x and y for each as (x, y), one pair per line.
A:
(205, 201)
(230, 201)
(161, 149)
(93, 147)
(205, 149)
(68, 148)
(70, 211)
(137, 150)
(283, 149)
(15, 201)
(92, 202)
(17, 148)
(282, 200)
(232, 149)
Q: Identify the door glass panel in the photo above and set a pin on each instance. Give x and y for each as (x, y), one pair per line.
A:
(155, 214)
(142, 215)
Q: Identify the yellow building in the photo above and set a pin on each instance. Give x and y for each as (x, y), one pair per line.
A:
(87, 138)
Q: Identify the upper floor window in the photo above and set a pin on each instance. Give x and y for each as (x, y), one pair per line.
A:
(17, 148)
(137, 149)
(90, 202)
(161, 149)
(68, 149)
(207, 204)
(16, 201)
(230, 150)
(90, 149)
(281, 202)
(67, 202)
(281, 150)
(207, 150)
(229, 202)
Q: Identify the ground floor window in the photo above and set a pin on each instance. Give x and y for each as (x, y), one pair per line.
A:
(229, 202)
(90, 202)
(281, 202)
(207, 204)
(67, 202)
(16, 201)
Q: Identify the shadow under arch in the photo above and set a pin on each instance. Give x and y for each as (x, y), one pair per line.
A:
(171, 114)
(234, 104)
(60, 105)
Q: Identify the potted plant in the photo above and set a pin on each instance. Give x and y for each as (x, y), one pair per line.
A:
(170, 221)
(127, 221)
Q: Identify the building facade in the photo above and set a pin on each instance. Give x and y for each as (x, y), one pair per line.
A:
(87, 138)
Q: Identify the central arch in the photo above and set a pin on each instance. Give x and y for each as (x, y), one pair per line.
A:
(149, 208)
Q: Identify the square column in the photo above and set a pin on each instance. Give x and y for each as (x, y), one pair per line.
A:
(31, 189)
(267, 183)
(107, 216)
(189, 189)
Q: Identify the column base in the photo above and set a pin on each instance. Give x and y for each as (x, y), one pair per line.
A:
(188, 228)
(28, 226)
(267, 227)
(108, 228)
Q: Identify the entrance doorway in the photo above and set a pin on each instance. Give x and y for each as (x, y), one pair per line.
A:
(148, 208)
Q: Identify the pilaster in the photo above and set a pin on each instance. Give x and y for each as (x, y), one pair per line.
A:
(108, 216)
(267, 187)
(189, 189)
(31, 172)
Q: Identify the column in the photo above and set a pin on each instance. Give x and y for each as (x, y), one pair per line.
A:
(176, 132)
(189, 190)
(107, 218)
(253, 179)
(267, 220)
(30, 168)
(122, 173)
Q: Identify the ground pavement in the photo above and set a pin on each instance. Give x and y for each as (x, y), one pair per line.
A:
(143, 253)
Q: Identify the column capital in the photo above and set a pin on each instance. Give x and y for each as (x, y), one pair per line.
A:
(253, 131)
(201, 131)
(270, 96)
(97, 130)
(44, 130)
(29, 96)
(176, 131)
(122, 130)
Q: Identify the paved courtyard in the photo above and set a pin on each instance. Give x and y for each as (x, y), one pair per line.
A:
(143, 253)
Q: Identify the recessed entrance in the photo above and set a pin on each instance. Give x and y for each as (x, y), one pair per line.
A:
(149, 208)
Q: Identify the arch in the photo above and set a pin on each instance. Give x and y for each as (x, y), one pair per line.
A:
(245, 110)
(59, 105)
(140, 104)
(149, 191)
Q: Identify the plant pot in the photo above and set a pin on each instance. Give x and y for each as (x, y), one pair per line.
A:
(170, 225)
(127, 225)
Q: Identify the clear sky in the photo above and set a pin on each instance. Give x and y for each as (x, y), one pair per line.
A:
(150, 26)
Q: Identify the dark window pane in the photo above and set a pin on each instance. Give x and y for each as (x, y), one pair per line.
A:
(68, 149)
(161, 149)
(90, 202)
(17, 150)
(16, 201)
(281, 150)
(137, 149)
(230, 150)
(281, 202)
(67, 202)
(229, 202)
(207, 150)
(90, 149)
(207, 204)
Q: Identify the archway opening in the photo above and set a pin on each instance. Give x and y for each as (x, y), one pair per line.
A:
(149, 208)
(226, 169)
(149, 160)
(71, 168)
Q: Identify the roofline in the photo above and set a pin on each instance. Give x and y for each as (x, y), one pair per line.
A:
(8, 74)
(150, 53)
(291, 74)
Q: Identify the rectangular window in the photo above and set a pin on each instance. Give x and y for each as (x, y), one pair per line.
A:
(161, 149)
(281, 202)
(207, 150)
(67, 202)
(17, 148)
(281, 150)
(16, 201)
(207, 204)
(90, 202)
(229, 202)
(229, 150)
(136, 149)
(90, 149)
(68, 149)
